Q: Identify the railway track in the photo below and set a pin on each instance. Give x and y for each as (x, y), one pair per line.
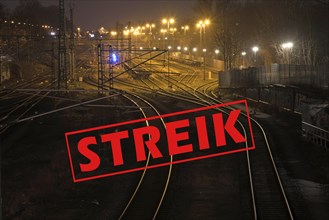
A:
(19, 100)
(142, 204)
(21, 107)
(267, 193)
(270, 199)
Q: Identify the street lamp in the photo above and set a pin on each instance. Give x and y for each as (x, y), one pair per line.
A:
(150, 26)
(126, 32)
(255, 49)
(287, 47)
(169, 47)
(199, 25)
(202, 26)
(185, 28)
(204, 63)
(163, 31)
(173, 30)
(79, 30)
(216, 52)
(243, 55)
(168, 22)
(113, 33)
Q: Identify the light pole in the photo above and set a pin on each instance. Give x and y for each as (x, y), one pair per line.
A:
(255, 49)
(173, 30)
(169, 48)
(168, 21)
(216, 52)
(194, 50)
(243, 55)
(150, 26)
(113, 33)
(204, 63)
(199, 25)
(187, 52)
(79, 31)
(202, 26)
(184, 28)
(288, 47)
(163, 31)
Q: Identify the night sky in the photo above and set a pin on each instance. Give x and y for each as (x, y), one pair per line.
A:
(91, 14)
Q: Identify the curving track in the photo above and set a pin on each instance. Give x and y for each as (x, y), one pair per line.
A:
(267, 194)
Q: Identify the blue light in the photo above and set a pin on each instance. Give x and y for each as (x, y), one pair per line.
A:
(114, 58)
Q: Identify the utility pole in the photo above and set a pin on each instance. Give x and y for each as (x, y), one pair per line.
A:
(53, 64)
(169, 85)
(0, 65)
(62, 73)
(72, 46)
(117, 25)
(129, 45)
(204, 63)
(110, 70)
(100, 69)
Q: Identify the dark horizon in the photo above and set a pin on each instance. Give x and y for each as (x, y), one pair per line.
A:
(110, 12)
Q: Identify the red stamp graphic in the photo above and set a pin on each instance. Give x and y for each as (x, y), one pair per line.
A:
(159, 141)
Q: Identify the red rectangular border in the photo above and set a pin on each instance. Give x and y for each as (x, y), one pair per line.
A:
(156, 117)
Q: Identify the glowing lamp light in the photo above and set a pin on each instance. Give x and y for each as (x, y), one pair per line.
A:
(287, 45)
(255, 49)
(114, 58)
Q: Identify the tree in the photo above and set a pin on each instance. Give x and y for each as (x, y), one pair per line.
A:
(2, 11)
(28, 11)
(31, 11)
(303, 22)
(227, 32)
(240, 25)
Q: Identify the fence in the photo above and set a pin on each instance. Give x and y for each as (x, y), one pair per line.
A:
(276, 95)
(315, 135)
(300, 75)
